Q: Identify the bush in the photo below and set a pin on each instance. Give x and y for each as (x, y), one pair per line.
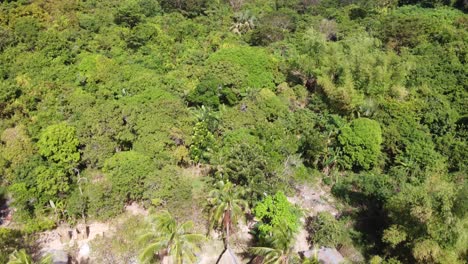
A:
(260, 68)
(274, 211)
(129, 14)
(126, 172)
(58, 143)
(10, 240)
(326, 231)
(103, 202)
(188, 7)
(360, 142)
(169, 188)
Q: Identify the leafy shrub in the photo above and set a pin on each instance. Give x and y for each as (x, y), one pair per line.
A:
(276, 210)
(273, 27)
(169, 188)
(326, 231)
(259, 67)
(103, 202)
(10, 240)
(360, 142)
(58, 143)
(203, 143)
(126, 172)
(129, 13)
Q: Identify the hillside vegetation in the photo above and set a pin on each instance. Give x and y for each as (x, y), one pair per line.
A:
(207, 112)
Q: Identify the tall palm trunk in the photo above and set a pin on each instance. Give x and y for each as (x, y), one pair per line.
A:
(227, 226)
(164, 256)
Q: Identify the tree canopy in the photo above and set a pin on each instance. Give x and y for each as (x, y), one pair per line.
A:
(107, 104)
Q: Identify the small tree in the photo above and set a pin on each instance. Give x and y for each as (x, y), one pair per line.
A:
(58, 143)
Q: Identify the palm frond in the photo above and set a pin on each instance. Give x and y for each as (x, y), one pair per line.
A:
(46, 260)
(20, 257)
(166, 233)
(149, 251)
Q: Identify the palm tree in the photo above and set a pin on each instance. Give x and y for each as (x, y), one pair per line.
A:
(168, 239)
(21, 257)
(227, 206)
(279, 247)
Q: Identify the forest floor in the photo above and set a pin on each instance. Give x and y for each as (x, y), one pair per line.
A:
(312, 199)
(73, 241)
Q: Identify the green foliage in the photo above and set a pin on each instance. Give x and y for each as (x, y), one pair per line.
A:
(169, 187)
(126, 172)
(96, 111)
(189, 7)
(103, 202)
(259, 67)
(26, 29)
(58, 143)
(360, 142)
(52, 181)
(422, 214)
(10, 240)
(278, 247)
(275, 211)
(273, 27)
(77, 205)
(22, 257)
(417, 25)
(167, 238)
(17, 148)
(140, 35)
(227, 206)
(245, 165)
(394, 236)
(38, 224)
(203, 143)
(270, 104)
(129, 13)
(222, 85)
(326, 231)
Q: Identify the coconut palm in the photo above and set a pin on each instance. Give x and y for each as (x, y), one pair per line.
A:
(227, 207)
(279, 247)
(169, 240)
(21, 257)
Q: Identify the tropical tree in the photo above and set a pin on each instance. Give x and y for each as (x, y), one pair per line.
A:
(22, 257)
(227, 206)
(58, 143)
(167, 239)
(278, 248)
